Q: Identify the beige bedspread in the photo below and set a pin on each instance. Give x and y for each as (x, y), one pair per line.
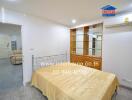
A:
(69, 81)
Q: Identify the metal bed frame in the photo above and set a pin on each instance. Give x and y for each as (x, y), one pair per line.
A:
(45, 61)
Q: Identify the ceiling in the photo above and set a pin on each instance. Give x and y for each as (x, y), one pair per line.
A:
(63, 11)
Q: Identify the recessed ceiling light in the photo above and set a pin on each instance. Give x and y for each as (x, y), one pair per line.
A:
(74, 21)
(12, 0)
(24, 15)
(130, 5)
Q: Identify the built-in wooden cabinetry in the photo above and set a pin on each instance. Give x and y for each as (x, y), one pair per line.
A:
(86, 45)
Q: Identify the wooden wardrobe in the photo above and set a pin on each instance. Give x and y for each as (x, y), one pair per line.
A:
(86, 45)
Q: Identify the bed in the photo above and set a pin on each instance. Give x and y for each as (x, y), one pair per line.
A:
(69, 81)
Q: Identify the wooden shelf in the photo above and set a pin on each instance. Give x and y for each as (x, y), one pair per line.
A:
(95, 49)
(81, 47)
(86, 34)
(86, 41)
(86, 49)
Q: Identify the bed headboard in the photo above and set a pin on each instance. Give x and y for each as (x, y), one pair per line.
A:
(44, 61)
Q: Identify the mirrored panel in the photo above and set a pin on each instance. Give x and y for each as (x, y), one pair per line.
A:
(79, 41)
(95, 40)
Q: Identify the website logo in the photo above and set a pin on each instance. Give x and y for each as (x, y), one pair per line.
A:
(108, 11)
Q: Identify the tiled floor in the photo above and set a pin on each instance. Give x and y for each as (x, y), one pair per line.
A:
(123, 94)
(10, 75)
(31, 93)
(23, 93)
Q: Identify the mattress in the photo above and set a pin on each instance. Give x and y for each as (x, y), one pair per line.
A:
(68, 81)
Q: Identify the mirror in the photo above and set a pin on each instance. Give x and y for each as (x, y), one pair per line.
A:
(79, 41)
(87, 40)
(95, 40)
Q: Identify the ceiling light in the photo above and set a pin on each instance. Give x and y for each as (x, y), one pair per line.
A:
(12, 0)
(130, 5)
(24, 15)
(74, 21)
(3, 14)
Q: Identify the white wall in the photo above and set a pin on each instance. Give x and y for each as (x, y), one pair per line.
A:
(40, 37)
(5, 46)
(10, 32)
(117, 48)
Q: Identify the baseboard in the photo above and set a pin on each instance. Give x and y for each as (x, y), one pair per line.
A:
(27, 84)
(129, 88)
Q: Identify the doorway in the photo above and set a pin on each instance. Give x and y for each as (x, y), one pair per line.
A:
(11, 70)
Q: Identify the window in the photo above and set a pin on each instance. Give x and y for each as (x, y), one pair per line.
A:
(13, 45)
